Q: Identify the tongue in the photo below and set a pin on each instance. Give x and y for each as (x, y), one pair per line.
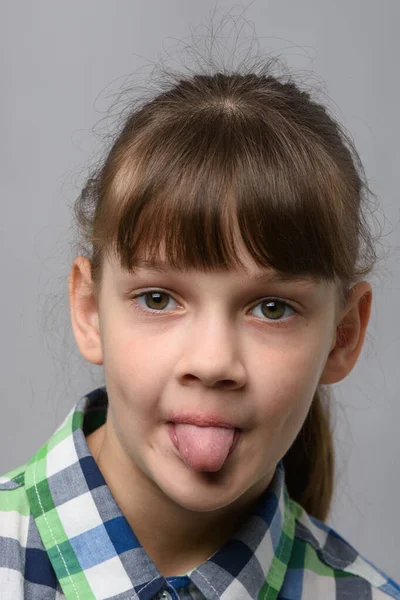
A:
(204, 448)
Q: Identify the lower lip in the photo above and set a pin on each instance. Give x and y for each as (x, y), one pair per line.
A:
(172, 435)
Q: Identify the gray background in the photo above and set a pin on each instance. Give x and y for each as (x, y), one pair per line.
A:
(62, 63)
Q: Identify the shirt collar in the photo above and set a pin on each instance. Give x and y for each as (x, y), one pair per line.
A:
(93, 550)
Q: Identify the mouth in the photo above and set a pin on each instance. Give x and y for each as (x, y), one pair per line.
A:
(204, 447)
(210, 420)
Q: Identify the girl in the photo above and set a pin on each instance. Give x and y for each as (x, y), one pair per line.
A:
(222, 291)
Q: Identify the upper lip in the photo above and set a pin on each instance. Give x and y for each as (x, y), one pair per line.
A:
(202, 420)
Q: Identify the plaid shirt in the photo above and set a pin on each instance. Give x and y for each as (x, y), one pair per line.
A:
(62, 535)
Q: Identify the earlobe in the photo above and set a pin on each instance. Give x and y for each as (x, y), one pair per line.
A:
(84, 311)
(350, 335)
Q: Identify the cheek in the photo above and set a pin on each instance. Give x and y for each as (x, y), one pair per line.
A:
(135, 369)
(280, 416)
(287, 389)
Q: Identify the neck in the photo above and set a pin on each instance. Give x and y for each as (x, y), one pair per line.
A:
(178, 539)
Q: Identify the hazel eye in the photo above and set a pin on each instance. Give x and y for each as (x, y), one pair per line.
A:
(273, 309)
(154, 300)
(157, 301)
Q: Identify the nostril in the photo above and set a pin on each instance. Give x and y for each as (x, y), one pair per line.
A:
(227, 383)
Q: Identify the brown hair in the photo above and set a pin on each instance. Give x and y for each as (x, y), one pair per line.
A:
(248, 149)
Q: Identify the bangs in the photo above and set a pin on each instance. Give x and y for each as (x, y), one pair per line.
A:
(189, 188)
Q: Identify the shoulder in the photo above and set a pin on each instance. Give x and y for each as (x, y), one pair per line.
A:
(25, 567)
(13, 498)
(330, 567)
(14, 526)
(14, 505)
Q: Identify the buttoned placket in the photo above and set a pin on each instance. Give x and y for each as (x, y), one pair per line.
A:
(163, 595)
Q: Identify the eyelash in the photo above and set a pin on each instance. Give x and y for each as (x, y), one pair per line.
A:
(276, 323)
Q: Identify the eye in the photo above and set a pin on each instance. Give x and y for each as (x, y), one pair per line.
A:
(154, 300)
(273, 309)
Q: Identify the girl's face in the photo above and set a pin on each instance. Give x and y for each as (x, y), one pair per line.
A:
(219, 350)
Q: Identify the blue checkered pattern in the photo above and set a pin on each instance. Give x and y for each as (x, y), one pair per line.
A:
(62, 535)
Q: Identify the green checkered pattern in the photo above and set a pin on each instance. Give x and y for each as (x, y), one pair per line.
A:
(62, 535)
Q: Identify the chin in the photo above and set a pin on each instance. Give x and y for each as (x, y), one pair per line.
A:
(205, 492)
(202, 505)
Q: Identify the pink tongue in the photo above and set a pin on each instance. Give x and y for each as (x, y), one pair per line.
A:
(204, 448)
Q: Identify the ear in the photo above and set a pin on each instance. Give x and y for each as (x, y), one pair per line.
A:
(84, 311)
(350, 334)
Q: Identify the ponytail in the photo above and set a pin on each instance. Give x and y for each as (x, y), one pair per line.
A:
(309, 462)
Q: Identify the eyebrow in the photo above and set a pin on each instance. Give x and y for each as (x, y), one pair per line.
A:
(271, 276)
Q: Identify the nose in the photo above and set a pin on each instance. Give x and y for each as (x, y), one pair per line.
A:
(212, 355)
